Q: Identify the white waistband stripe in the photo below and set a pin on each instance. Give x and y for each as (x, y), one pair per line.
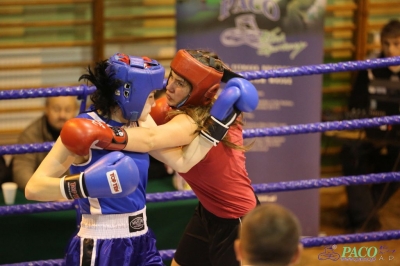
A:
(113, 225)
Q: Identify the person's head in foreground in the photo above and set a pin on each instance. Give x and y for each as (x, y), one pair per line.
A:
(269, 235)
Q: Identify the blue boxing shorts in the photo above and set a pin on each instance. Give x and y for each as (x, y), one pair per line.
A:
(109, 240)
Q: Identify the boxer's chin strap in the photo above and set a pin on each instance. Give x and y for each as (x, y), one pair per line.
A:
(228, 74)
(181, 103)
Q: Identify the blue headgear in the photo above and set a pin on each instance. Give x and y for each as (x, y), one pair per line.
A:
(139, 77)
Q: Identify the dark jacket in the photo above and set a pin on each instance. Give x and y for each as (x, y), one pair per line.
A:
(24, 165)
(359, 97)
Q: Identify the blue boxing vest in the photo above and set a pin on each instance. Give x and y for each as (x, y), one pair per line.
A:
(132, 203)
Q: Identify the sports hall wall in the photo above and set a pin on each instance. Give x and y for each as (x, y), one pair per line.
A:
(49, 43)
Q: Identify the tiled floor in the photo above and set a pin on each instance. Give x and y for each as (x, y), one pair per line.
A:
(333, 204)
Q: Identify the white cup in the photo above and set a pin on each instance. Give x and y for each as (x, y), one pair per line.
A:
(9, 192)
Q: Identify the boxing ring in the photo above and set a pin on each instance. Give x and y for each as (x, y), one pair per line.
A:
(83, 91)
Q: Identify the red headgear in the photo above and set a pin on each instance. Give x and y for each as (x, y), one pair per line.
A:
(204, 79)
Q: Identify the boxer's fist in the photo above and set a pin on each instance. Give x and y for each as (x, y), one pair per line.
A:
(248, 99)
(160, 110)
(80, 134)
(112, 176)
(239, 95)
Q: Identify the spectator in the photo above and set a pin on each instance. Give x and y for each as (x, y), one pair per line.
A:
(45, 129)
(269, 235)
(377, 153)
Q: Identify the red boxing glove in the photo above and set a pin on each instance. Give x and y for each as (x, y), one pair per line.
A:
(160, 110)
(81, 134)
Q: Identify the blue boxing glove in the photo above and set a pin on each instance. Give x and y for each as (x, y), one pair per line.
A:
(112, 176)
(239, 95)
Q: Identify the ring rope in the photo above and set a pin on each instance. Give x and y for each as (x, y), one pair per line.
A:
(36, 208)
(26, 148)
(321, 127)
(188, 194)
(322, 68)
(250, 75)
(353, 238)
(81, 90)
(56, 262)
(247, 133)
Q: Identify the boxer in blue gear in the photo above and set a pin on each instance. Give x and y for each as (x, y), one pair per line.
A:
(110, 186)
(110, 227)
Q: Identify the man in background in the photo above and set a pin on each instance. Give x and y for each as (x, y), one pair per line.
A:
(269, 235)
(45, 129)
(375, 92)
